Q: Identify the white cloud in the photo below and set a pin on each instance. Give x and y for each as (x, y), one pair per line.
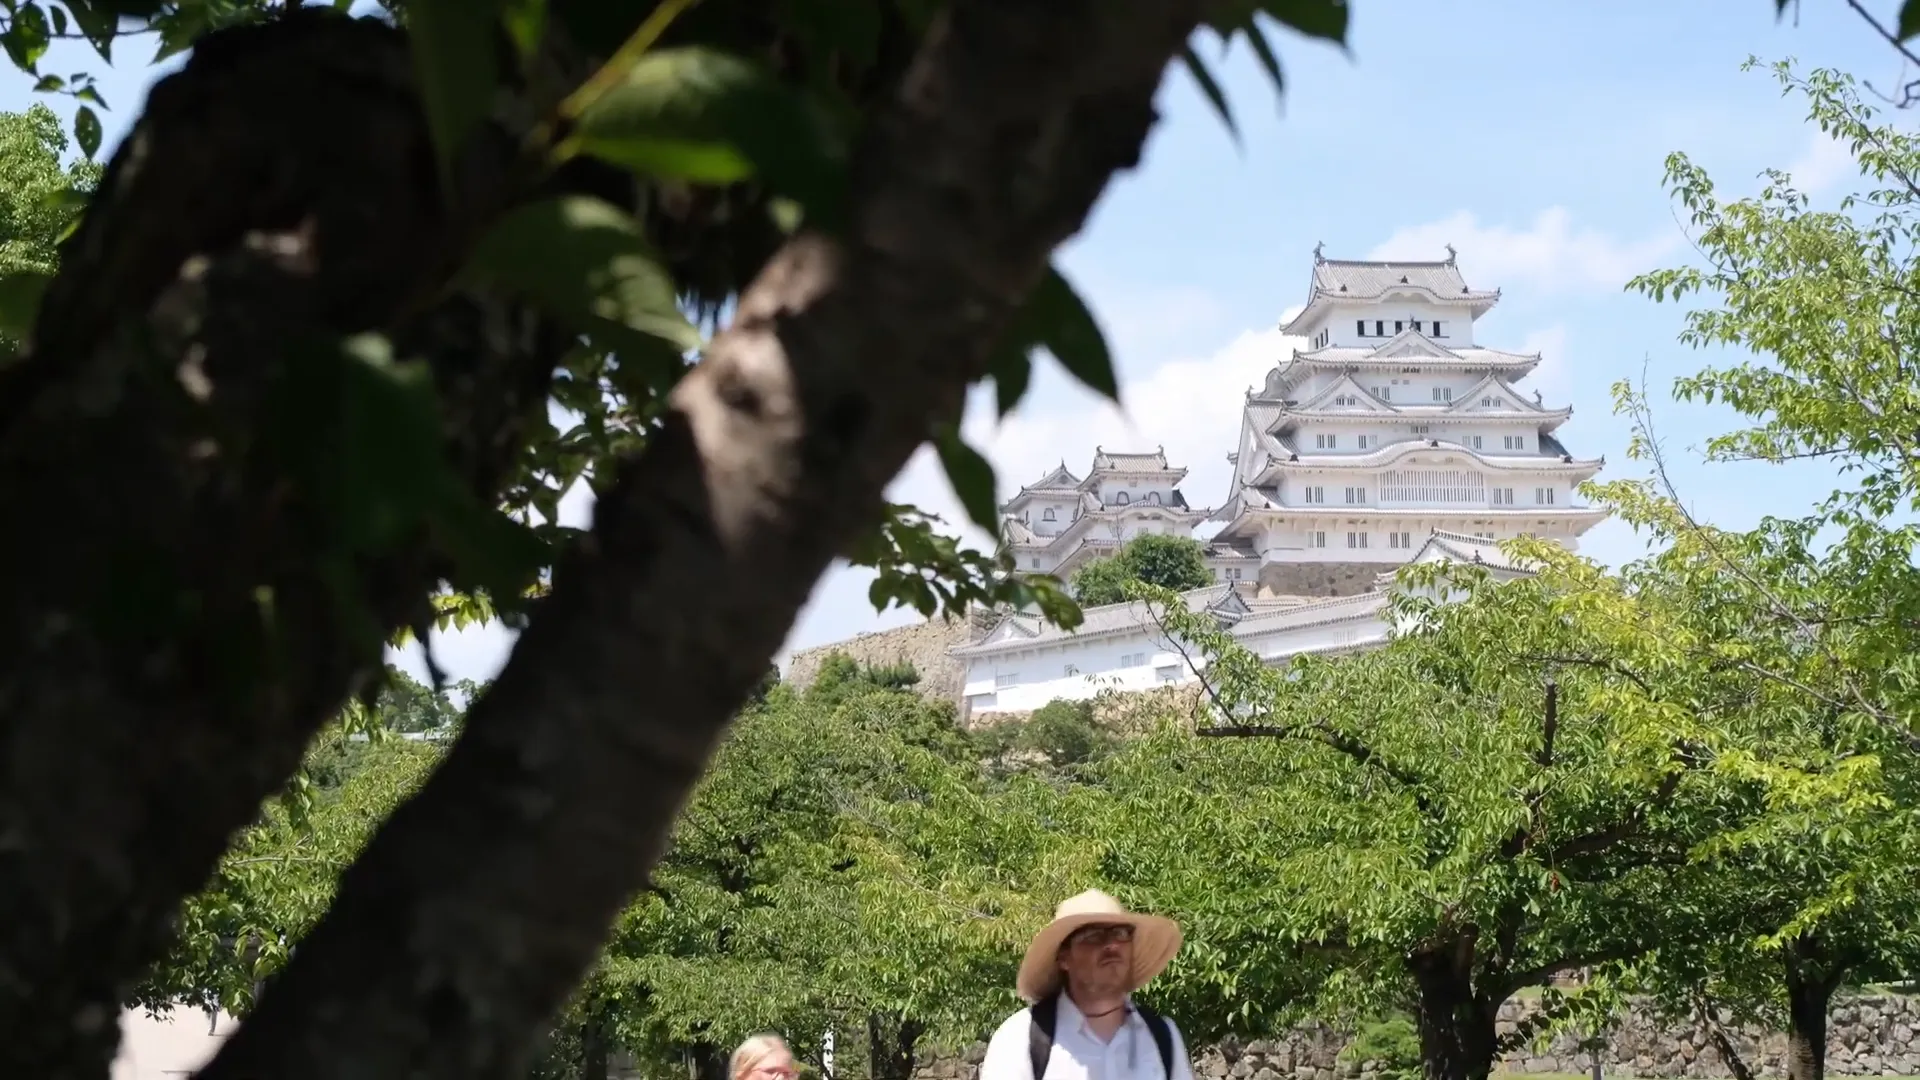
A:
(1550, 254)
(1825, 162)
(1190, 404)
(1552, 378)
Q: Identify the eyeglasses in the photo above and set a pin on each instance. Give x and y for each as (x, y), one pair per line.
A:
(1097, 936)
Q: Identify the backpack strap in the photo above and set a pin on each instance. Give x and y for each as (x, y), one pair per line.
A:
(1162, 1036)
(1045, 1015)
(1045, 1018)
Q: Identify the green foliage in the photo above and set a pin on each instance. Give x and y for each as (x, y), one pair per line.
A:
(1063, 735)
(1532, 779)
(38, 196)
(1392, 1043)
(1823, 604)
(1167, 562)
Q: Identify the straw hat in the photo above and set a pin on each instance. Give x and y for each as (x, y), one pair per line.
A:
(1155, 940)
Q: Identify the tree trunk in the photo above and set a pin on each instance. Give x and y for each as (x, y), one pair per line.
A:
(1458, 1038)
(1810, 988)
(892, 1046)
(168, 649)
(594, 1050)
(478, 905)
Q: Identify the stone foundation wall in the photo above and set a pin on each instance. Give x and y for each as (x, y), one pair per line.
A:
(1320, 579)
(1867, 1036)
(924, 645)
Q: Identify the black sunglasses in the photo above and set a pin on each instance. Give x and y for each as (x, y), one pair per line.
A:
(1118, 934)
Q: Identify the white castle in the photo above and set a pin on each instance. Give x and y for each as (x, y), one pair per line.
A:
(1394, 437)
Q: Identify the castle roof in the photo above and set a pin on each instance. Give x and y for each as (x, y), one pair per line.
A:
(1364, 280)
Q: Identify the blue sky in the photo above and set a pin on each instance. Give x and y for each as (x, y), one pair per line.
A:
(1529, 135)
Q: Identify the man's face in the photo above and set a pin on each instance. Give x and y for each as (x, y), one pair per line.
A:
(1098, 959)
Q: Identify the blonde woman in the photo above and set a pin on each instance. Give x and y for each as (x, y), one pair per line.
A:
(763, 1057)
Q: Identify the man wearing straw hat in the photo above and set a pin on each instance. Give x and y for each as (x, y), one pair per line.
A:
(1078, 977)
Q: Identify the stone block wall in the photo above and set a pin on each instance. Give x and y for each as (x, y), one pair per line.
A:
(924, 645)
(1867, 1036)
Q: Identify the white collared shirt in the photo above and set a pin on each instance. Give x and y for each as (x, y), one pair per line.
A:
(1078, 1054)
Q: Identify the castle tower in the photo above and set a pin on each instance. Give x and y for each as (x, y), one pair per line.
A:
(1061, 521)
(1392, 425)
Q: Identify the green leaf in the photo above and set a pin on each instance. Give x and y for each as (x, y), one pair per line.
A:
(526, 22)
(454, 61)
(1012, 370)
(86, 131)
(703, 116)
(586, 261)
(1908, 26)
(1263, 52)
(98, 22)
(1323, 19)
(20, 294)
(972, 478)
(1061, 322)
(1208, 86)
(26, 37)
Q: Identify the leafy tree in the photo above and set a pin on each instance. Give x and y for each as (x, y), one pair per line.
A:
(292, 390)
(1517, 786)
(1824, 302)
(1167, 562)
(37, 199)
(1061, 734)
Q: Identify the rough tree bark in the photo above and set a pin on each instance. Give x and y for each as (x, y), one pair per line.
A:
(1811, 980)
(893, 1046)
(168, 644)
(483, 899)
(1458, 1036)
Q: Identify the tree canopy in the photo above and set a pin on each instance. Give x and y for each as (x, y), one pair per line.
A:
(1169, 562)
(350, 309)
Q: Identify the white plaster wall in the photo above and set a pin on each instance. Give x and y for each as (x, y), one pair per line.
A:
(169, 1046)
(1456, 327)
(1041, 675)
(1279, 646)
(1136, 490)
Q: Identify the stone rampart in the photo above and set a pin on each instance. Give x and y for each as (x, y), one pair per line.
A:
(1867, 1036)
(924, 645)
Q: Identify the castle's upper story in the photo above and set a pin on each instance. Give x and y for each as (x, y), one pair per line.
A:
(1359, 305)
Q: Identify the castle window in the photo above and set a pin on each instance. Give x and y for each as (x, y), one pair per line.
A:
(1516, 442)
(1356, 496)
(1543, 496)
(1443, 393)
(1316, 495)
(1416, 326)
(1356, 540)
(1360, 327)
(1317, 539)
(1436, 329)
(1401, 540)
(1323, 442)
(1473, 442)
(1120, 498)
(1399, 326)
(1049, 515)
(1379, 328)
(1503, 496)
(1153, 498)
